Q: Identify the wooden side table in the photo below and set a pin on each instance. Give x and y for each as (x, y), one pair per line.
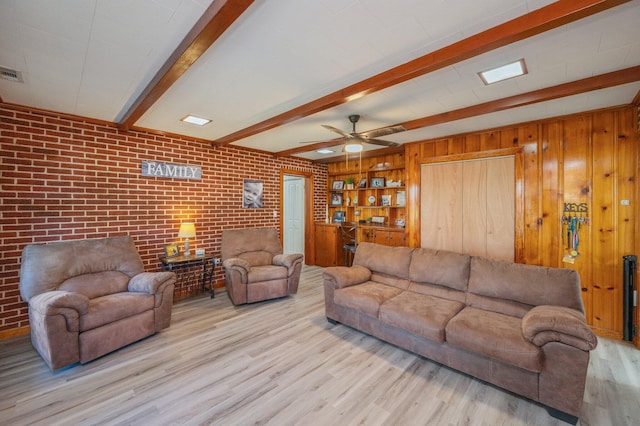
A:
(190, 270)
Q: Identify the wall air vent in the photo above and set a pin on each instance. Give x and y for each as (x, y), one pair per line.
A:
(11, 75)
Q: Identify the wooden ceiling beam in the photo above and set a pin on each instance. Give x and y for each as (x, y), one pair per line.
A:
(538, 21)
(602, 81)
(220, 15)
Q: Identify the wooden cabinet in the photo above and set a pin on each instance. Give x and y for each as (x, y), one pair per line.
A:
(388, 236)
(328, 245)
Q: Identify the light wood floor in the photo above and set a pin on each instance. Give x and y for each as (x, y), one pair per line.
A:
(282, 363)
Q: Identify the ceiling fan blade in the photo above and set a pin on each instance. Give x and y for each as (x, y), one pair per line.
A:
(338, 131)
(379, 142)
(382, 132)
(337, 141)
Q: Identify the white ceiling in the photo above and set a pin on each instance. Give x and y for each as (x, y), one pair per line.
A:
(93, 58)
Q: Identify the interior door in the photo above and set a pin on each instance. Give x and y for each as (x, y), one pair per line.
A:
(469, 207)
(293, 215)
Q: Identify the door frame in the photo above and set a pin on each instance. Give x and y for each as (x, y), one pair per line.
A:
(308, 209)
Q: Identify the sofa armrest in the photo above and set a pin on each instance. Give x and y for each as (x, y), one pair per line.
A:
(343, 276)
(66, 303)
(287, 260)
(237, 263)
(546, 323)
(151, 282)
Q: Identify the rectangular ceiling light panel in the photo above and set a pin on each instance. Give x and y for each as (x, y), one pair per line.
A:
(503, 72)
(195, 120)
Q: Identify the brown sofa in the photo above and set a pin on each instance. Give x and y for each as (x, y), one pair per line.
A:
(90, 297)
(520, 327)
(255, 268)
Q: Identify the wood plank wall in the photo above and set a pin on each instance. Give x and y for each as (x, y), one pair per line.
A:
(590, 158)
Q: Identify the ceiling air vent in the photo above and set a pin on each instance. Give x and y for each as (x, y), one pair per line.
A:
(11, 75)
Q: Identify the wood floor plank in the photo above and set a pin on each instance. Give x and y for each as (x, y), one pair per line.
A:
(281, 363)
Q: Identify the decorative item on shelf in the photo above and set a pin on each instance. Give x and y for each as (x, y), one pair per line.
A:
(347, 201)
(377, 182)
(199, 252)
(349, 182)
(355, 200)
(363, 183)
(377, 219)
(187, 230)
(385, 200)
(401, 199)
(384, 165)
(400, 222)
(336, 199)
(338, 185)
(338, 216)
(371, 200)
(394, 184)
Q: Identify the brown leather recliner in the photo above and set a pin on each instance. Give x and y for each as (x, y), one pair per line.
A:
(255, 268)
(90, 297)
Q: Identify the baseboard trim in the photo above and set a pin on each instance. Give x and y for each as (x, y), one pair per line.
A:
(14, 332)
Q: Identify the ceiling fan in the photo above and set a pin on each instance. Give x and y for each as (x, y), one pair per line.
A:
(353, 141)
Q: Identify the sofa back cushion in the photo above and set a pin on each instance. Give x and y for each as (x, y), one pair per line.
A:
(97, 284)
(257, 246)
(497, 286)
(443, 268)
(385, 261)
(45, 266)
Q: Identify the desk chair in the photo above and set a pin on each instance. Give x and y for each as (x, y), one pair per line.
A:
(349, 243)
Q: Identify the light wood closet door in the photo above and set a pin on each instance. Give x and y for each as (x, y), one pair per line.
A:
(469, 207)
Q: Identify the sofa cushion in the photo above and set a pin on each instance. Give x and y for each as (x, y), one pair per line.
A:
(267, 273)
(440, 267)
(366, 297)
(494, 335)
(423, 315)
(525, 284)
(113, 307)
(392, 261)
(97, 284)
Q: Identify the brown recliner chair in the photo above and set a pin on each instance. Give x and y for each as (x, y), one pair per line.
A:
(255, 268)
(90, 297)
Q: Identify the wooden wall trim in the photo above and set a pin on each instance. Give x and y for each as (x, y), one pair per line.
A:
(471, 156)
(309, 247)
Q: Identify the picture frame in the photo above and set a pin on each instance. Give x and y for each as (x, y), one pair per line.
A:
(171, 250)
(252, 194)
(377, 182)
(363, 183)
(338, 216)
(336, 199)
(385, 200)
(338, 185)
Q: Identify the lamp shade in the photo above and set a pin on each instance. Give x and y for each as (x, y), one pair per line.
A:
(187, 230)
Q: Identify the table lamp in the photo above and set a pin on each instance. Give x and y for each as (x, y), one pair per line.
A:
(187, 230)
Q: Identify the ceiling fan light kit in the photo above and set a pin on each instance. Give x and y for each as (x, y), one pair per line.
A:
(353, 147)
(354, 141)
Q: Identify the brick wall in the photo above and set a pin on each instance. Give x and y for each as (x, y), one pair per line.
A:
(71, 178)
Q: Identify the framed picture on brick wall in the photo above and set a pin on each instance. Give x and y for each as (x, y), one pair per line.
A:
(252, 194)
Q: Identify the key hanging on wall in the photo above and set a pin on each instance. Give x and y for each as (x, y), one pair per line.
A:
(575, 216)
